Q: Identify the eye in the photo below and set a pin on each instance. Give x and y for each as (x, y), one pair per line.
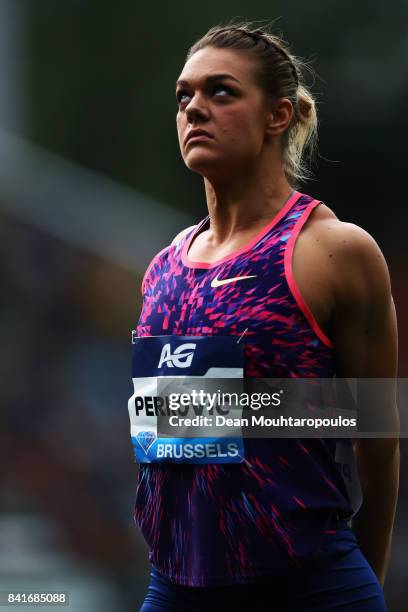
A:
(222, 88)
(181, 95)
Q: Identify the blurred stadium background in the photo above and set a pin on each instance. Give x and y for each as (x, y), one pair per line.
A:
(92, 185)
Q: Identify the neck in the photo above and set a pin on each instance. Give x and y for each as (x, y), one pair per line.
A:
(247, 202)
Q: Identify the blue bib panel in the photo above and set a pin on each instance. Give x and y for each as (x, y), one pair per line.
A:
(158, 357)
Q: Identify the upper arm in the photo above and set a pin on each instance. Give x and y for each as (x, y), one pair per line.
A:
(365, 341)
(364, 326)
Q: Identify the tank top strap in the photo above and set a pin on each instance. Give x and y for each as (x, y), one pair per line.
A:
(300, 209)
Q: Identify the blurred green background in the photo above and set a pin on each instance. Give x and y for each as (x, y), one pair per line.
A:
(92, 185)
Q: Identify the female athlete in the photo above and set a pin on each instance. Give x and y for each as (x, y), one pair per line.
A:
(309, 295)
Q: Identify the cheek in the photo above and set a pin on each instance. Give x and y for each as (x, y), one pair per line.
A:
(179, 124)
(241, 131)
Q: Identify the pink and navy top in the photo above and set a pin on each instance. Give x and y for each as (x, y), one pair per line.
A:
(233, 523)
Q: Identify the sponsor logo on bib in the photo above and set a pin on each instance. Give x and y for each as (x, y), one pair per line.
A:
(146, 439)
(181, 358)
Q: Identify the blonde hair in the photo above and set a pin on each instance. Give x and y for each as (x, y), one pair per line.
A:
(280, 75)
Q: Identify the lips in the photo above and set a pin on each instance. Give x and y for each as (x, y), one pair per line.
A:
(194, 133)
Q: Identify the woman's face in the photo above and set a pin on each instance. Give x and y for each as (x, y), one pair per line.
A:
(217, 92)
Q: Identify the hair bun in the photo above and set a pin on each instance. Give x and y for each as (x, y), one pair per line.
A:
(305, 103)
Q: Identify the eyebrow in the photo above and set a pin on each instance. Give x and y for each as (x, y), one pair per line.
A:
(210, 79)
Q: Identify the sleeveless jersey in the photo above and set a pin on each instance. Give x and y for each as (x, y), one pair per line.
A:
(231, 523)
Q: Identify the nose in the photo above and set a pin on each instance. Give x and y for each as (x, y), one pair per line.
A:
(196, 109)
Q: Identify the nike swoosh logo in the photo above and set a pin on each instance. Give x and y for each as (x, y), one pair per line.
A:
(224, 281)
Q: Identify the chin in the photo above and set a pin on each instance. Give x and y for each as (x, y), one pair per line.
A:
(199, 162)
(203, 161)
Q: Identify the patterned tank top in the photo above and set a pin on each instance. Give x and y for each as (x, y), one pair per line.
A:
(233, 523)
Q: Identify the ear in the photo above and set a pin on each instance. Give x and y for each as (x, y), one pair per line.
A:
(279, 117)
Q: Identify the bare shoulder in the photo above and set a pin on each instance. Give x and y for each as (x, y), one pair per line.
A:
(345, 237)
(181, 234)
(359, 264)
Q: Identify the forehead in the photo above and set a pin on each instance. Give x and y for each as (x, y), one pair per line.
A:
(210, 61)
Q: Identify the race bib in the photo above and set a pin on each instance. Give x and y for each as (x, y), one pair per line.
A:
(161, 360)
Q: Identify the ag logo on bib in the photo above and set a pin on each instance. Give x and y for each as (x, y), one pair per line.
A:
(181, 358)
